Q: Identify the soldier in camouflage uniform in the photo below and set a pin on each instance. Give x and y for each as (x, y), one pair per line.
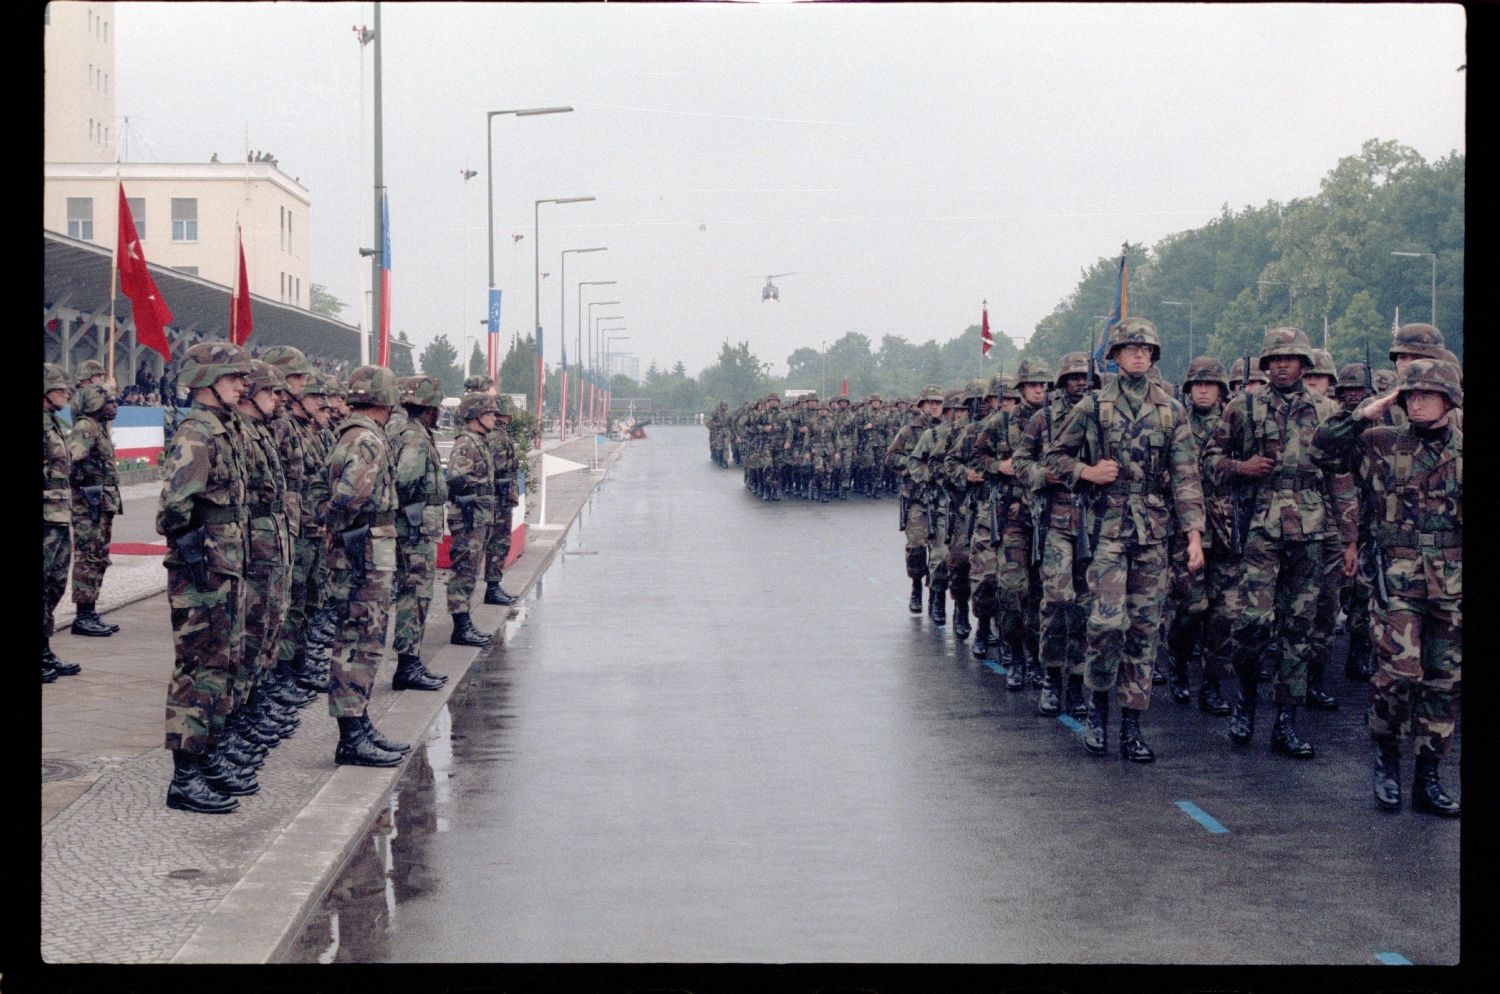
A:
(915, 496)
(963, 497)
(869, 464)
(1065, 599)
(1354, 595)
(202, 514)
(421, 492)
(1200, 605)
(930, 451)
(1132, 442)
(718, 435)
(980, 471)
(1320, 379)
(57, 515)
(471, 509)
(508, 462)
(360, 549)
(96, 501)
(91, 372)
(759, 462)
(1019, 579)
(1263, 443)
(1416, 473)
(397, 422)
(846, 444)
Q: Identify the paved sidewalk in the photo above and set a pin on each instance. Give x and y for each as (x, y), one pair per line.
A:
(127, 880)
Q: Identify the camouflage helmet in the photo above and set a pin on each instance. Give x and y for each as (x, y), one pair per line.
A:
(1134, 331)
(474, 405)
(773, 397)
(997, 386)
(1009, 391)
(953, 400)
(315, 385)
(1351, 377)
(503, 407)
(975, 389)
(1207, 369)
(1383, 379)
(1431, 374)
(478, 383)
(205, 362)
(874, 398)
(1323, 364)
(1071, 363)
(1446, 356)
(91, 398)
(288, 359)
(1033, 370)
(811, 397)
(1422, 340)
(263, 376)
(932, 392)
(423, 391)
(88, 369)
(1285, 341)
(53, 378)
(373, 386)
(1259, 376)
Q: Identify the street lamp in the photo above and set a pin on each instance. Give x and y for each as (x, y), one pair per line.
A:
(607, 343)
(562, 320)
(1432, 315)
(592, 339)
(489, 159)
(536, 293)
(1189, 305)
(587, 356)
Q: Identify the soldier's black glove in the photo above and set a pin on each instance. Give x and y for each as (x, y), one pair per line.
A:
(354, 541)
(189, 546)
(466, 505)
(94, 498)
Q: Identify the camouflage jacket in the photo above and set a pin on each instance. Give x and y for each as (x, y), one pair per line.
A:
(1292, 503)
(289, 442)
(1000, 437)
(1217, 509)
(1416, 476)
(1157, 456)
(314, 476)
(396, 424)
(823, 434)
(1040, 431)
(846, 430)
(269, 533)
(419, 480)
(92, 455)
(898, 455)
(361, 491)
(56, 507)
(471, 470)
(506, 459)
(204, 485)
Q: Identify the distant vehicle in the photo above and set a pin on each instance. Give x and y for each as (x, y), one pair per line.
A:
(770, 291)
(794, 394)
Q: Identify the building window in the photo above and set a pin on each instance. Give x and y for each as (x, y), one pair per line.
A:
(91, 129)
(184, 219)
(81, 218)
(91, 75)
(281, 230)
(283, 286)
(289, 242)
(90, 21)
(106, 32)
(138, 213)
(187, 270)
(297, 290)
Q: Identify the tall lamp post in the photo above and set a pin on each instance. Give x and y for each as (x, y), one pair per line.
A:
(536, 293)
(467, 175)
(562, 321)
(1189, 305)
(589, 350)
(1432, 314)
(608, 342)
(1288, 295)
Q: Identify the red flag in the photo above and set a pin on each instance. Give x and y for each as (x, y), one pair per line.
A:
(241, 324)
(844, 389)
(986, 340)
(150, 311)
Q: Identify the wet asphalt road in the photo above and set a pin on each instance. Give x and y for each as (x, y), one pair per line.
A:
(715, 734)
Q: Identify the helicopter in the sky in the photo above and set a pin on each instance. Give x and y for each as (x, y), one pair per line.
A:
(770, 290)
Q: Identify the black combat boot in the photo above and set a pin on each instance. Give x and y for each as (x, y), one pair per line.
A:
(1177, 679)
(961, 627)
(1427, 794)
(1096, 721)
(1316, 698)
(1210, 701)
(1242, 715)
(1047, 702)
(190, 792)
(49, 674)
(1284, 734)
(1033, 663)
(379, 740)
(1132, 747)
(309, 674)
(239, 751)
(982, 636)
(288, 691)
(356, 749)
(86, 622)
(223, 776)
(915, 607)
(58, 666)
(495, 594)
(1073, 698)
(464, 632)
(412, 675)
(1388, 774)
(1357, 662)
(937, 605)
(1015, 672)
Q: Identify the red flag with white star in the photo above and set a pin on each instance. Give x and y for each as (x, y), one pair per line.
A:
(147, 306)
(241, 322)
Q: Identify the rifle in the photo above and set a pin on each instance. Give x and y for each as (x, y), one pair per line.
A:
(1083, 496)
(1039, 507)
(905, 507)
(929, 507)
(1241, 496)
(1374, 554)
(354, 541)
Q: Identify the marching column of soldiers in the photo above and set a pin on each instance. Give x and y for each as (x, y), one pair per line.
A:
(297, 511)
(1109, 536)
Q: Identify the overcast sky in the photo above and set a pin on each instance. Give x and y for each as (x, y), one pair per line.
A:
(906, 160)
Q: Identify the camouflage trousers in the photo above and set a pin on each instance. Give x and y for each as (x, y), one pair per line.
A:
(465, 554)
(1066, 604)
(917, 539)
(1203, 607)
(90, 554)
(208, 636)
(1277, 602)
(497, 545)
(268, 592)
(1354, 598)
(937, 544)
(843, 466)
(57, 555)
(307, 558)
(1330, 580)
(359, 641)
(959, 575)
(1129, 583)
(416, 564)
(1418, 642)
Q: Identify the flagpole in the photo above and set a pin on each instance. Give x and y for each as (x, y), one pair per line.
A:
(234, 296)
(114, 273)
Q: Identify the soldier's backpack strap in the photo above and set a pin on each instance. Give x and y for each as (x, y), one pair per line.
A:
(1107, 422)
(1401, 454)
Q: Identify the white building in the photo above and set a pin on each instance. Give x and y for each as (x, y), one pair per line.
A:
(79, 49)
(617, 363)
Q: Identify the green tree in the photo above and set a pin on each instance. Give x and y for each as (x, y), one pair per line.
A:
(518, 370)
(737, 376)
(440, 359)
(401, 363)
(320, 301)
(477, 361)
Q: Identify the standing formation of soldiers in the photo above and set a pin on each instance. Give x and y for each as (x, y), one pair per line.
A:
(297, 510)
(1108, 536)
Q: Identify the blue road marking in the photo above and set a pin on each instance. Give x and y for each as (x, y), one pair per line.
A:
(995, 666)
(1202, 817)
(1071, 723)
(1393, 959)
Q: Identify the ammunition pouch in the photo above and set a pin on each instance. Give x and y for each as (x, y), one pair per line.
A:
(94, 498)
(466, 505)
(413, 514)
(190, 546)
(355, 541)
